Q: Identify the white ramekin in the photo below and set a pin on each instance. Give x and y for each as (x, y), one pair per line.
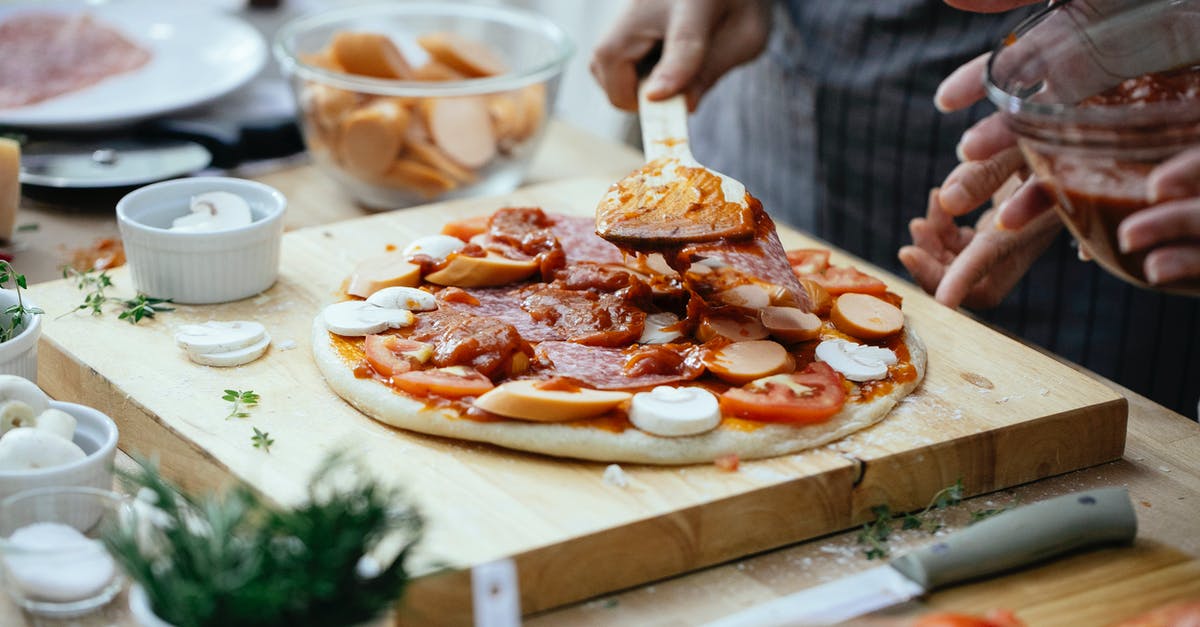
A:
(201, 268)
(96, 434)
(19, 355)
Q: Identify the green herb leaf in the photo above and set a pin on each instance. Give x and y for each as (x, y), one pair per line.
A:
(18, 313)
(30, 226)
(242, 401)
(238, 559)
(262, 439)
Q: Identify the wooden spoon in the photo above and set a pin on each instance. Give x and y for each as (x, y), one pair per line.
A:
(673, 199)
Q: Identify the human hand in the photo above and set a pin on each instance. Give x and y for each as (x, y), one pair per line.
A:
(701, 41)
(976, 266)
(1170, 229)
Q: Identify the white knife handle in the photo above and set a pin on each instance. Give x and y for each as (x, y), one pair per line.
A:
(1023, 536)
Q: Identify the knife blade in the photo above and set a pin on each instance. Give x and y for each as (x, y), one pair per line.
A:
(1010, 540)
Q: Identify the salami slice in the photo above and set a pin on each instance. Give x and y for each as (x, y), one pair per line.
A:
(611, 368)
(579, 240)
(43, 55)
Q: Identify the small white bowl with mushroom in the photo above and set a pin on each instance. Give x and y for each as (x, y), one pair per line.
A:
(46, 443)
(203, 240)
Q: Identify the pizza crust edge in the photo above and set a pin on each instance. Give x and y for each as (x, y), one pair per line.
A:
(382, 403)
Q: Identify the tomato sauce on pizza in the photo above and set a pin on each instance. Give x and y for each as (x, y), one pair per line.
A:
(529, 319)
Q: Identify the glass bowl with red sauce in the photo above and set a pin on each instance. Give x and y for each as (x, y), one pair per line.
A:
(1098, 93)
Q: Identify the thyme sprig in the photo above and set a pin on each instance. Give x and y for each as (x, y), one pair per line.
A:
(242, 403)
(874, 535)
(262, 440)
(18, 314)
(93, 283)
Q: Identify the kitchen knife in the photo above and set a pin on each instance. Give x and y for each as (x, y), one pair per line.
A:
(1010, 540)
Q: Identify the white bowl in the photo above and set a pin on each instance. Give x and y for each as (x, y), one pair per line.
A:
(19, 355)
(201, 268)
(96, 434)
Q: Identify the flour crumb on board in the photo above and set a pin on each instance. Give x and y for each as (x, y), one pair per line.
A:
(614, 476)
(286, 345)
(1164, 469)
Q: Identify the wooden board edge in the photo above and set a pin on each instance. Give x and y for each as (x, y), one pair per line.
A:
(681, 541)
(186, 464)
(1063, 442)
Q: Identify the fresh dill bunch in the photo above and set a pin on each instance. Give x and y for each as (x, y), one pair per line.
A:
(237, 559)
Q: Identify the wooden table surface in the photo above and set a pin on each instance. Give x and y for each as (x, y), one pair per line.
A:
(1161, 469)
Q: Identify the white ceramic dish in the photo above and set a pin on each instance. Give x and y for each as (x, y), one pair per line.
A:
(65, 580)
(199, 54)
(19, 355)
(201, 268)
(96, 434)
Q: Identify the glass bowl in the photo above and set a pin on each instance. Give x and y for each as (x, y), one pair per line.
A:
(52, 562)
(1076, 84)
(397, 142)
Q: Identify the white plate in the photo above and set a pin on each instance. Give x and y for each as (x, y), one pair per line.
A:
(198, 54)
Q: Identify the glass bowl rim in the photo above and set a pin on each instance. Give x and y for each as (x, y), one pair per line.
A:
(291, 63)
(1159, 114)
(113, 498)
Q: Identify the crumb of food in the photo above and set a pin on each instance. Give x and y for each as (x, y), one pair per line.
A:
(613, 475)
(727, 463)
(285, 345)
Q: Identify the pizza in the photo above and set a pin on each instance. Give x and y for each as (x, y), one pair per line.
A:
(526, 330)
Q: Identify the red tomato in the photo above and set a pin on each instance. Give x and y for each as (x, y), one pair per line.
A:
(775, 401)
(842, 279)
(808, 260)
(466, 228)
(727, 463)
(994, 618)
(386, 355)
(452, 383)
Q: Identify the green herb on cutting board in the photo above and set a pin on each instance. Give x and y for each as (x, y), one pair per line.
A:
(28, 227)
(262, 440)
(17, 314)
(236, 559)
(242, 402)
(93, 283)
(874, 535)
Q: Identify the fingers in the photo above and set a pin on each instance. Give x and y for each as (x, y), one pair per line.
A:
(925, 269)
(1027, 203)
(972, 183)
(738, 38)
(1173, 263)
(614, 62)
(964, 86)
(968, 269)
(689, 33)
(988, 6)
(1179, 220)
(1179, 177)
(988, 137)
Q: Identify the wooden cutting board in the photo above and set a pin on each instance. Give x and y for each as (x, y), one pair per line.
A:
(991, 412)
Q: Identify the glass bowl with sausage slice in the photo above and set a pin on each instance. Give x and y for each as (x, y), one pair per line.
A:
(405, 103)
(1100, 93)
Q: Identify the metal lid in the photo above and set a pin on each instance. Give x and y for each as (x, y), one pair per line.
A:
(103, 163)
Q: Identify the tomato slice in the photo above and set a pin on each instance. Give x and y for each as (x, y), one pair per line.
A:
(808, 260)
(839, 280)
(466, 228)
(995, 618)
(806, 397)
(390, 355)
(452, 382)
